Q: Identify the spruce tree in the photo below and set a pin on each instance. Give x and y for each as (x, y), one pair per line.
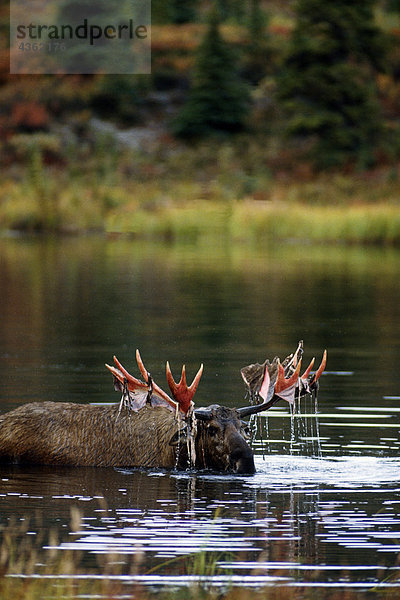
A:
(218, 100)
(327, 83)
(182, 11)
(393, 6)
(231, 10)
(258, 59)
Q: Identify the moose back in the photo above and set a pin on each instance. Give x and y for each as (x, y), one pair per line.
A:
(60, 433)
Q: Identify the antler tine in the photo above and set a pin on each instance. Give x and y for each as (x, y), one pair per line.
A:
(285, 388)
(170, 379)
(321, 368)
(141, 366)
(308, 370)
(156, 388)
(196, 380)
(180, 391)
(122, 373)
(293, 361)
(282, 383)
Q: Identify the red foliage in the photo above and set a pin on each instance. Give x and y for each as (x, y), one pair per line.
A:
(282, 30)
(29, 115)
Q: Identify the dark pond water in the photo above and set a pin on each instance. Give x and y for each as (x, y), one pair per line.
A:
(323, 507)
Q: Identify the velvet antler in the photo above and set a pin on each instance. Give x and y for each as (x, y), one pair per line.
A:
(122, 376)
(271, 381)
(285, 387)
(308, 370)
(320, 369)
(148, 379)
(140, 392)
(180, 391)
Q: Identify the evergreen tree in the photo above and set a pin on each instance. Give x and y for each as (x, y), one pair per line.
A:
(231, 10)
(327, 83)
(258, 58)
(393, 6)
(218, 100)
(174, 11)
(182, 11)
(160, 12)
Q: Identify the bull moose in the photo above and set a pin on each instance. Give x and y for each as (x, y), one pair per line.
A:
(148, 428)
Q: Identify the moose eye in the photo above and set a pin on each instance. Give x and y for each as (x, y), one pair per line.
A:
(246, 432)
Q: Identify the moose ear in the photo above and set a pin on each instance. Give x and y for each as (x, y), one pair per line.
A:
(179, 437)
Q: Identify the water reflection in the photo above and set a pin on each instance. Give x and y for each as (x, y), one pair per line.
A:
(68, 305)
(297, 519)
(354, 430)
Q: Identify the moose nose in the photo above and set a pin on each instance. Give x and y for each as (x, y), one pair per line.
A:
(243, 461)
(245, 466)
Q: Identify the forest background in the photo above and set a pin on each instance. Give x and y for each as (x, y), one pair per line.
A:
(259, 120)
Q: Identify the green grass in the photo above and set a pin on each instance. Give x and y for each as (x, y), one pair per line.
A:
(252, 222)
(207, 192)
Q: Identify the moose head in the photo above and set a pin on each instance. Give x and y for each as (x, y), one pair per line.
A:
(216, 437)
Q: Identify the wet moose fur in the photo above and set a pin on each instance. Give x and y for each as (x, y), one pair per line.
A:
(59, 433)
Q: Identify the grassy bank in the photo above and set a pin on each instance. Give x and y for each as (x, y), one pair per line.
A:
(257, 222)
(176, 192)
(246, 220)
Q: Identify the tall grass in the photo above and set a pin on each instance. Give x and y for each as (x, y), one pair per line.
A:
(259, 223)
(196, 193)
(365, 224)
